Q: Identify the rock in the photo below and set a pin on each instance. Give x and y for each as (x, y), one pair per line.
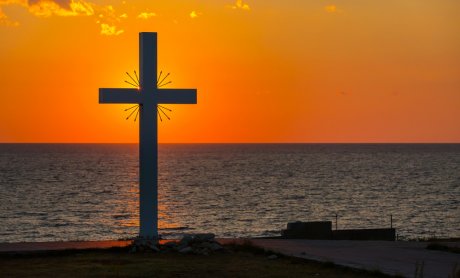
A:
(204, 237)
(201, 244)
(186, 250)
(170, 245)
(273, 257)
(180, 247)
(144, 245)
(204, 245)
(166, 251)
(201, 251)
(216, 246)
(154, 248)
(211, 246)
(186, 240)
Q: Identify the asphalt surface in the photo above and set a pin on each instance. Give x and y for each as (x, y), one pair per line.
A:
(390, 257)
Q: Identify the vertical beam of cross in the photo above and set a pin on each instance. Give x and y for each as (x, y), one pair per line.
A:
(148, 137)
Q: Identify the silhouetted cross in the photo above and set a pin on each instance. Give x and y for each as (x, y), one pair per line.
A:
(148, 96)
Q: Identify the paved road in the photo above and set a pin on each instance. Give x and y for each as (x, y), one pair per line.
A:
(387, 256)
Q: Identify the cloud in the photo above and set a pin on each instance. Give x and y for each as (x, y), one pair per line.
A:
(146, 15)
(194, 14)
(5, 21)
(11, 2)
(106, 14)
(48, 8)
(108, 30)
(240, 5)
(331, 8)
(107, 17)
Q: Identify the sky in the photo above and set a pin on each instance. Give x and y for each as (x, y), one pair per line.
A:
(313, 71)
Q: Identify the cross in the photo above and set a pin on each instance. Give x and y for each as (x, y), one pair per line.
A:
(148, 96)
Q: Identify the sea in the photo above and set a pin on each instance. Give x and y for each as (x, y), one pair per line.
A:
(61, 192)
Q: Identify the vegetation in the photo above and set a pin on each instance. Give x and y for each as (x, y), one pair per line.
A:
(442, 247)
(238, 261)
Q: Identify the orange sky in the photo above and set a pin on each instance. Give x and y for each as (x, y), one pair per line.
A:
(266, 71)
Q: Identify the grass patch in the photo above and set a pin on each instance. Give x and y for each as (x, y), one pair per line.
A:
(441, 247)
(240, 261)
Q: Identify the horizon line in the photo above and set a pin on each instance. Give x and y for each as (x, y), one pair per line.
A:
(217, 143)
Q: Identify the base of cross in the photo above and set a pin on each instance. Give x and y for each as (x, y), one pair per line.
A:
(141, 244)
(199, 244)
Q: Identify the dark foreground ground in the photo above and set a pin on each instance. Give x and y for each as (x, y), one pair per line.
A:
(238, 261)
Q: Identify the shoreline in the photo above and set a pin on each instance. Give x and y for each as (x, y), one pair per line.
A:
(101, 244)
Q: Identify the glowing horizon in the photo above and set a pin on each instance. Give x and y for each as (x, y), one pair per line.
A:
(266, 72)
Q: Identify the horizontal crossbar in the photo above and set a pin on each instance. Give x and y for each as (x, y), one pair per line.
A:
(177, 96)
(119, 95)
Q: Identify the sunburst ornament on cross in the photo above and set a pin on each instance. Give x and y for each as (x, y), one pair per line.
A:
(148, 96)
(134, 110)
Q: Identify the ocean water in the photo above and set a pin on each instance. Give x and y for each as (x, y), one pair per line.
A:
(52, 192)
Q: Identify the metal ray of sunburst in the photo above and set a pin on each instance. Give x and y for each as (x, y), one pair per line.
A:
(164, 113)
(135, 82)
(159, 83)
(160, 109)
(137, 114)
(131, 84)
(169, 82)
(136, 109)
(131, 107)
(137, 77)
(165, 108)
(159, 77)
(159, 115)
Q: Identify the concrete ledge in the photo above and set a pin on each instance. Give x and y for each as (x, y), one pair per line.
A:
(22, 247)
(323, 230)
(365, 234)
